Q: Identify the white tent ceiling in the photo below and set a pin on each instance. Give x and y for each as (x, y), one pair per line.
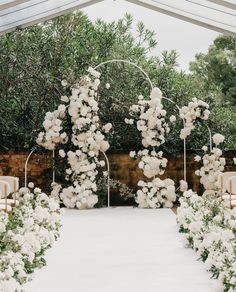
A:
(217, 15)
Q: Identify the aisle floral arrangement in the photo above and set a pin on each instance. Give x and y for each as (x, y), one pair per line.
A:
(151, 122)
(207, 223)
(76, 126)
(209, 227)
(213, 164)
(25, 234)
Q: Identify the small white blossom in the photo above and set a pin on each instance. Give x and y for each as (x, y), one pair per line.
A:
(218, 139)
(31, 185)
(62, 153)
(172, 119)
(64, 83)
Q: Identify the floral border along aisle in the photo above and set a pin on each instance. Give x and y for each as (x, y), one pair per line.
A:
(209, 227)
(25, 234)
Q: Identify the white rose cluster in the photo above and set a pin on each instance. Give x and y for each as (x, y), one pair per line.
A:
(151, 162)
(208, 226)
(156, 193)
(151, 119)
(53, 134)
(213, 166)
(88, 140)
(31, 228)
(151, 122)
(195, 110)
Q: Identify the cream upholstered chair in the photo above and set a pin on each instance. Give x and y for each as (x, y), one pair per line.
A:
(4, 193)
(231, 189)
(14, 186)
(227, 182)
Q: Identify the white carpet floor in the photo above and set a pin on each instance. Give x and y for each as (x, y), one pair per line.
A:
(120, 250)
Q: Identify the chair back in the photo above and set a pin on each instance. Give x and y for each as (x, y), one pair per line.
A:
(231, 185)
(223, 178)
(12, 181)
(5, 189)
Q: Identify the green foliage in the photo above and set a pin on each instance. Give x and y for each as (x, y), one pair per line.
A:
(217, 68)
(35, 59)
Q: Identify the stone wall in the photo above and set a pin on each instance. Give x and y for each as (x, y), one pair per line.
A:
(122, 168)
(39, 167)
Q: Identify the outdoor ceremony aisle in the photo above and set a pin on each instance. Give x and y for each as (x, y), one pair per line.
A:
(121, 250)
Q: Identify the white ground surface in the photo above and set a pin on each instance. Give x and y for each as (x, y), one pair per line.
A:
(120, 250)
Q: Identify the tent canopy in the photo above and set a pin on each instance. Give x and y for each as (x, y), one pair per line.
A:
(217, 15)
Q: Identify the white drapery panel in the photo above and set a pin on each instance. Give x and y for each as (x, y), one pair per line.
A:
(217, 15)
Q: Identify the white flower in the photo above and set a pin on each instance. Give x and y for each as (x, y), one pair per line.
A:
(107, 127)
(108, 85)
(102, 163)
(37, 190)
(156, 93)
(205, 148)
(132, 154)
(64, 98)
(234, 160)
(64, 83)
(129, 121)
(94, 73)
(31, 185)
(197, 158)
(183, 186)
(62, 153)
(172, 119)
(196, 110)
(156, 193)
(218, 139)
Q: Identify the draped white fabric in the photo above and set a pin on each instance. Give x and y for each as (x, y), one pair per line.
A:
(218, 15)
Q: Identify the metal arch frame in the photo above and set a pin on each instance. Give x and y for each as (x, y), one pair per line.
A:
(106, 158)
(27, 161)
(151, 85)
(108, 179)
(169, 100)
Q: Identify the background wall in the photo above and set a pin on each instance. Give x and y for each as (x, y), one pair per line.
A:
(122, 167)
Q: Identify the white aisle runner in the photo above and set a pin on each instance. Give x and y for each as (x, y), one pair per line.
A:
(120, 250)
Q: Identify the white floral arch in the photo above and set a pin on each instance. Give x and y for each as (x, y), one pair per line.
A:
(95, 75)
(151, 86)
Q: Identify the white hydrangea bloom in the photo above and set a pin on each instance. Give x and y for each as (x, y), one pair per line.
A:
(213, 166)
(172, 119)
(151, 119)
(196, 110)
(156, 193)
(218, 139)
